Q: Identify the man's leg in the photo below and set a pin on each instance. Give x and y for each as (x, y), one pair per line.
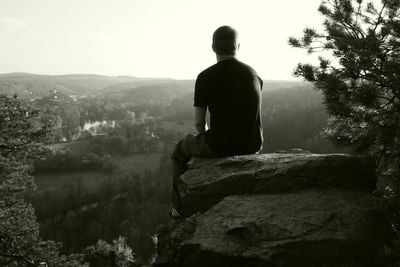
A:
(190, 146)
(179, 166)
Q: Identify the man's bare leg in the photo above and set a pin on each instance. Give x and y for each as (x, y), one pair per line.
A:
(178, 168)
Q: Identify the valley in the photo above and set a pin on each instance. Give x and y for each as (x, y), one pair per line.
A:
(109, 174)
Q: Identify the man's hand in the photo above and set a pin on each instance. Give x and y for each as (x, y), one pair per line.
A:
(174, 213)
(200, 119)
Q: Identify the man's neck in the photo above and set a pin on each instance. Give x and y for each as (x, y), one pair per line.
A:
(224, 57)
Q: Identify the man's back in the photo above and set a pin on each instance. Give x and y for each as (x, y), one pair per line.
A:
(232, 92)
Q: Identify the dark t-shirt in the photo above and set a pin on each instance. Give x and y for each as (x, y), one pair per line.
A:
(232, 92)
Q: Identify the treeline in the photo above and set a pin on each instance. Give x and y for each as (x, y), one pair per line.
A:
(69, 161)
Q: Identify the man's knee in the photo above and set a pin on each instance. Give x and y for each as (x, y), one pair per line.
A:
(181, 153)
(177, 154)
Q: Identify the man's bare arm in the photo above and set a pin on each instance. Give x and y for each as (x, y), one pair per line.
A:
(200, 119)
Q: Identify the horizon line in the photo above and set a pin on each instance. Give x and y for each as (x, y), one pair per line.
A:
(294, 79)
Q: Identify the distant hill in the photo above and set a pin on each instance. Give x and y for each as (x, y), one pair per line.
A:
(161, 92)
(271, 85)
(137, 83)
(35, 85)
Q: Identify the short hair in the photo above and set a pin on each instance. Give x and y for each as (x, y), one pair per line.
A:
(225, 40)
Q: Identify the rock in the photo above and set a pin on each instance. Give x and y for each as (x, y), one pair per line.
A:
(294, 151)
(309, 228)
(208, 181)
(291, 208)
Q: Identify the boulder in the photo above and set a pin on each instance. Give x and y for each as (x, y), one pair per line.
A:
(309, 228)
(208, 181)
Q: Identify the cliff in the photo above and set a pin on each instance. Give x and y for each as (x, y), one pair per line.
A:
(281, 209)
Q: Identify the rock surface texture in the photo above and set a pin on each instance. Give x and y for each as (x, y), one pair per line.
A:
(282, 209)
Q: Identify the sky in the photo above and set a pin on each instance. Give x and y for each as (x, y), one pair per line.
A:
(150, 38)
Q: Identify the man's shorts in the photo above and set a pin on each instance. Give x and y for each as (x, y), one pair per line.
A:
(193, 146)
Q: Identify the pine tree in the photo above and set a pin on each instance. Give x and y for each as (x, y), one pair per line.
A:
(22, 134)
(360, 80)
(362, 86)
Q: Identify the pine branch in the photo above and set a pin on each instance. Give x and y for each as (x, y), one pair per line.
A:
(378, 22)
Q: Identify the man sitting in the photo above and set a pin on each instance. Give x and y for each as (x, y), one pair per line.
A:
(231, 90)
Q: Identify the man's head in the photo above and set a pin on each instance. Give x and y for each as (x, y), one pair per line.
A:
(225, 41)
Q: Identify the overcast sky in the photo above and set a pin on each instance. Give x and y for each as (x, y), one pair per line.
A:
(149, 38)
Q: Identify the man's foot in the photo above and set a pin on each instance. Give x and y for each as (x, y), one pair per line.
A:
(174, 214)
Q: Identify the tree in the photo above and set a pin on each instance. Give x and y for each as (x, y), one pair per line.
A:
(361, 82)
(118, 253)
(22, 134)
(362, 93)
(64, 111)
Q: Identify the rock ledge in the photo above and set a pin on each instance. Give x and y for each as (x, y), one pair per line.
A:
(281, 209)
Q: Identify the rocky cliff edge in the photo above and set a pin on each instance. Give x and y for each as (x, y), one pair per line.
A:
(282, 209)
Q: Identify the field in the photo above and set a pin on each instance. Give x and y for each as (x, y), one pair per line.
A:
(90, 180)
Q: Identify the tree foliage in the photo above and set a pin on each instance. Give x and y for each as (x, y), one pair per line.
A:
(360, 78)
(117, 253)
(22, 134)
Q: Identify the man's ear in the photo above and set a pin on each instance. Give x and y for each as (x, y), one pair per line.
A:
(213, 48)
(238, 46)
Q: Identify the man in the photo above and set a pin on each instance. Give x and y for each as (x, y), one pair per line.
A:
(231, 91)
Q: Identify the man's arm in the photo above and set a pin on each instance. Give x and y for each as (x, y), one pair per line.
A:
(200, 119)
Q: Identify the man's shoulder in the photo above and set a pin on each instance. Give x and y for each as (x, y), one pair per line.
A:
(207, 71)
(252, 71)
(247, 67)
